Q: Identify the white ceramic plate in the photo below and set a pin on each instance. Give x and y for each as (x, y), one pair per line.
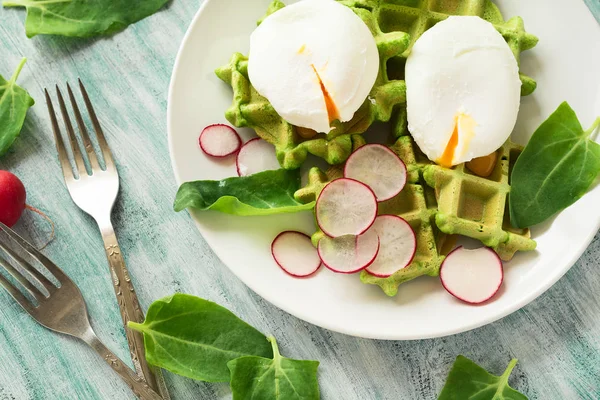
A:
(565, 63)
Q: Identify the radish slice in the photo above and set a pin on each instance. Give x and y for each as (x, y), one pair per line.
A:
(472, 276)
(295, 254)
(349, 254)
(345, 207)
(256, 155)
(219, 140)
(398, 245)
(379, 168)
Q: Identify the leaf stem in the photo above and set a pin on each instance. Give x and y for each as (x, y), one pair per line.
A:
(276, 354)
(13, 79)
(509, 369)
(504, 378)
(592, 128)
(135, 326)
(15, 3)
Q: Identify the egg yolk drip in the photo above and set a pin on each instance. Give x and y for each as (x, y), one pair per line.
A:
(464, 130)
(483, 166)
(332, 110)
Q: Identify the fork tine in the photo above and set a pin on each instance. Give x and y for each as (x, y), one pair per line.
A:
(32, 290)
(17, 295)
(37, 275)
(106, 153)
(60, 145)
(87, 143)
(72, 136)
(32, 251)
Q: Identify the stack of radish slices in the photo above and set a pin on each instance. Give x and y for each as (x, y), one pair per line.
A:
(256, 155)
(346, 211)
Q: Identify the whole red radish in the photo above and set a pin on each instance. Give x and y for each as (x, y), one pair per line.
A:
(12, 198)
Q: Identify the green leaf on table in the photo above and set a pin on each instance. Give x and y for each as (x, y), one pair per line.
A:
(468, 380)
(278, 378)
(556, 168)
(196, 338)
(83, 18)
(264, 193)
(14, 103)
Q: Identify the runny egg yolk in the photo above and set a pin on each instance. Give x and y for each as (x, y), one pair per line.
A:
(332, 110)
(464, 130)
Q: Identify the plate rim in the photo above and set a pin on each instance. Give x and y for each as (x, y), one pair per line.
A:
(323, 323)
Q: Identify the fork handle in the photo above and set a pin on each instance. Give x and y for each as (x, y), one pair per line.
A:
(130, 309)
(137, 384)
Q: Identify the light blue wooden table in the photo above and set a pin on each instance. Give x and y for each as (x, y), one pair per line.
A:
(556, 338)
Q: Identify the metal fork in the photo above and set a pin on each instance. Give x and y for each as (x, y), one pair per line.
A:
(96, 193)
(62, 309)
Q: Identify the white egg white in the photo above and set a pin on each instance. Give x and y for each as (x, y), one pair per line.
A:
(461, 76)
(310, 52)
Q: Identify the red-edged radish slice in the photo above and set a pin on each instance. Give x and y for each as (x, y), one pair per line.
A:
(398, 245)
(255, 156)
(295, 254)
(345, 207)
(349, 254)
(472, 276)
(219, 140)
(379, 168)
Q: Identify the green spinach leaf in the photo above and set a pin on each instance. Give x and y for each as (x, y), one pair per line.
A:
(83, 18)
(468, 380)
(196, 338)
(278, 379)
(268, 192)
(14, 103)
(556, 168)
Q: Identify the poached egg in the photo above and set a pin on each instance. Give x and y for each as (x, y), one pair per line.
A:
(463, 90)
(315, 61)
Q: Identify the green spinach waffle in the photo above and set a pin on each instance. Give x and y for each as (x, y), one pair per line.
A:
(431, 202)
(439, 202)
(477, 207)
(396, 25)
(416, 203)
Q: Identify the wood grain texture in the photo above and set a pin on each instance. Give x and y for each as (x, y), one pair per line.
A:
(556, 338)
